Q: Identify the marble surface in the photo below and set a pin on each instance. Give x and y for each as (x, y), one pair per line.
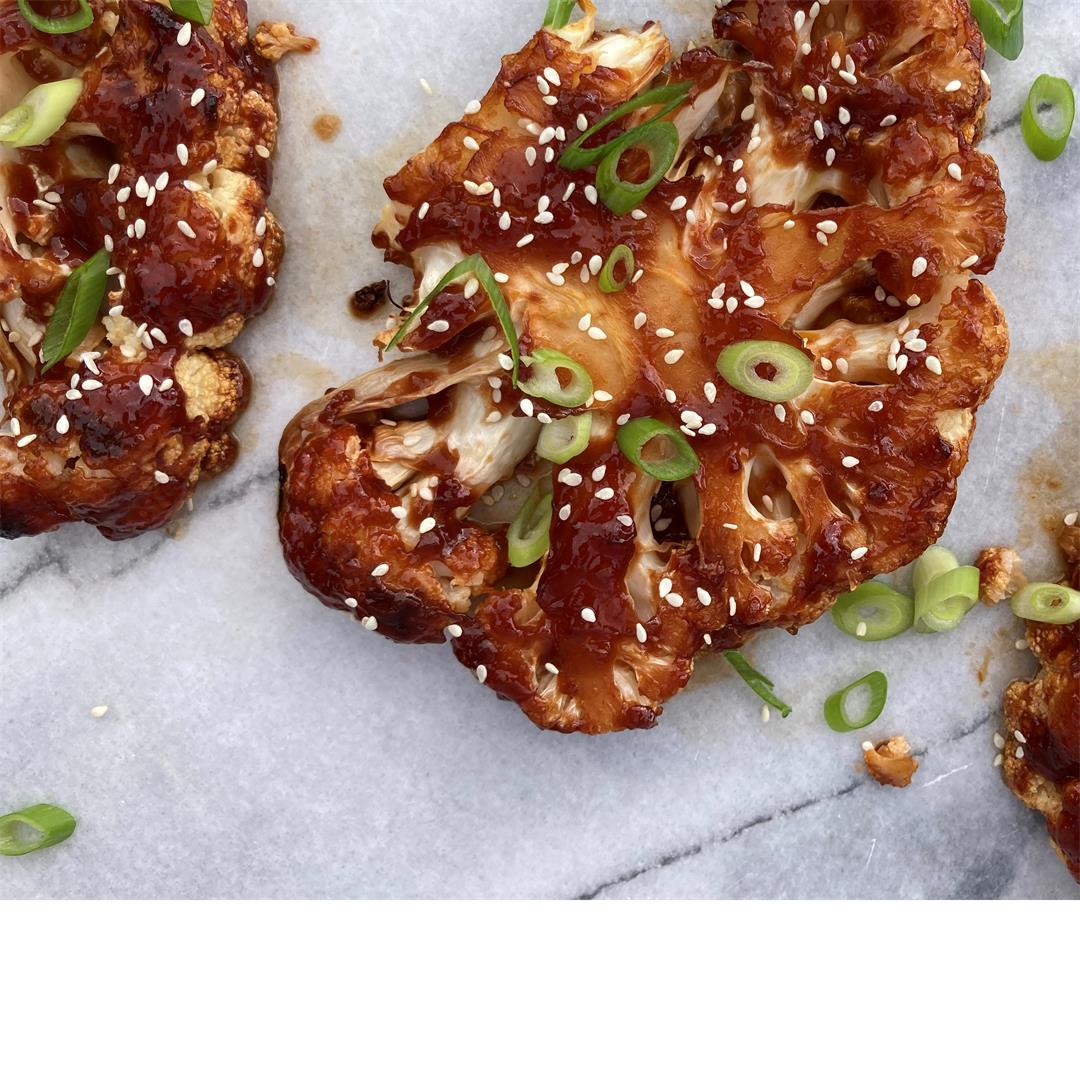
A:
(259, 745)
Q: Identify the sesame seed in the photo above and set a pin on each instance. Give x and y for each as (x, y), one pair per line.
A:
(704, 596)
(369, 622)
(423, 211)
(504, 220)
(146, 384)
(888, 121)
(530, 156)
(970, 261)
(955, 171)
(591, 194)
(596, 264)
(678, 202)
(588, 614)
(780, 412)
(736, 207)
(830, 156)
(731, 606)
(848, 77)
(140, 229)
(426, 525)
(952, 87)
(799, 20)
(875, 406)
(1019, 736)
(808, 92)
(747, 113)
(185, 327)
(819, 129)
(999, 740)
(197, 97)
(918, 267)
(114, 172)
(159, 335)
(914, 300)
(1019, 752)
(674, 599)
(470, 143)
(822, 94)
(161, 477)
(439, 326)
(546, 136)
(98, 711)
(843, 115)
(182, 153)
(597, 334)
(26, 440)
(454, 630)
(606, 493)
(933, 364)
(184, 34)
(669, 396)
(165, 384)
(858, 553)
(1069, 520)
(62, 422)
(849, 462)
(639, 632)
(123, 194)
(673, 356)
(381, 570)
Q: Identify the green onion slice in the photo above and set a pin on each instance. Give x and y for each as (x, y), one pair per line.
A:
(875, 609)
(575, 156)
(762, 685)
(946, 600)
(544, 366)
(1002, 24)
(76, 309)
(932, 563)
(564, 439)
(40, 114)
(1047, 134)
(47, 825)
(196, 11)
(527, 539)
(558, 13)
(836, 706)
(660, 140)
(472, 264)
(789, 371)
(678, 460)
(1044, 602)
(621, 256)
(68, 24)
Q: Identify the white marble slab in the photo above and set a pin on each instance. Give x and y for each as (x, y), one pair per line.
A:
(259, 745)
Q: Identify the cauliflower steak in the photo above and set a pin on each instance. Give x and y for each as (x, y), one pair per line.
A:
(823, 194)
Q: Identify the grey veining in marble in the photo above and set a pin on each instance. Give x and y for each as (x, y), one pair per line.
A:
(258, 745)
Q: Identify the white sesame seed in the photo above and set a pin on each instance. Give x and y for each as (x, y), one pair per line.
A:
(140, 229)
(605, 494)
(639, 632)
(678, 202)
(822, 94)
(369, 622)
(808, 92)
(165, 384)
(1069, 520)
(26, 440)
(933, 364)
(588, 614)
(952, 87)
(182, 153)
(819, 129)
(955, 171)
(438, 326)
(596, 264)
(888, 121)
(674, 599)
(423, 211)
(669, 396)
(504, 220)
(849, 462)
(918, 267)
(597, 334)
(381, 570)
(197, 97)
(426, 525)
(161, 477)
(146, 384)
(530, 156)
(843, 115)
(1018, 752)
(704, 596)
(737, 207)
(184, 34)
(98, 711)
(185, 327)
(470, 143)
(780, 412)
(62, 422)
(858, 553)
(970, 261)
(914, 300)
(591, 194)
(159, 335)
(731, 606)
(848, 77)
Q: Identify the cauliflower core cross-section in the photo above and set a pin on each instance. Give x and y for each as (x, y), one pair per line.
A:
(826, 195)
(165, 163)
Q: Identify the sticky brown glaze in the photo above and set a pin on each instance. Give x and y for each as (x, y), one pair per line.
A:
(1041, 764)
(124, 427)
(863, 262)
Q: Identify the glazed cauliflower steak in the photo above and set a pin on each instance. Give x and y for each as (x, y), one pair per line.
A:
(164, 164)
(825, 194)
(1041, 753)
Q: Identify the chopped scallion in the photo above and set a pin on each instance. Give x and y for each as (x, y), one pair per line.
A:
(35, 828)
(544, 382)
(40, 114)
(787, 371)
(620, 256)
(527, 539)
(677, 460)
(948, 597)
(564, 439)
(1047, 119)
(873, 612)
(76, 309)
(196, 11)
(67, 24)
(762, 685)
(660, 140)
(1002, 24)
(1047, 603)
(558, 13)
(840, 719)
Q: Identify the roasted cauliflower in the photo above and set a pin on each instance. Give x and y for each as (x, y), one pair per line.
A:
(164, 163)
(824, 193)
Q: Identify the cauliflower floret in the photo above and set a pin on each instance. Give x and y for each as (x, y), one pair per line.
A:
(1000, 574)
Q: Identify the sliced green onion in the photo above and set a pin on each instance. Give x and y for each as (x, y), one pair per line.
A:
(1044, 602)
(946, 600)
(575, 156)
(69, 24)
(76, 309)
(679, 460)
(621, 256)
(1047, 136)
(564, 439)
(544, 366)
(472, 264)
(932, 563)
(1004, 28)
(762, 685)
(40, 114)
(791, 371)
(196, 11)
(836, 706)
(527, 539)
(48, 825)
(874, 612)
(558, 13)
(660, 140)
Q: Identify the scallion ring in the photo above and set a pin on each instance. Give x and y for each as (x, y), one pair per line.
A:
(76, 309)
(620, 256)
(1047, 134)
(472, 264)
(946, 600)
(762, 685)
(558, 13)
(840, 719)
(68, 24)
(1003, 29)
(932, 563)
(789, 371)
(41, 114)
(575, 156)
(564, 439)
(196, 11)
(677, 459)
(874, 612)
(660, 140)
(35, 828)
(544, 382)
(528, 537)
(1044, 602)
